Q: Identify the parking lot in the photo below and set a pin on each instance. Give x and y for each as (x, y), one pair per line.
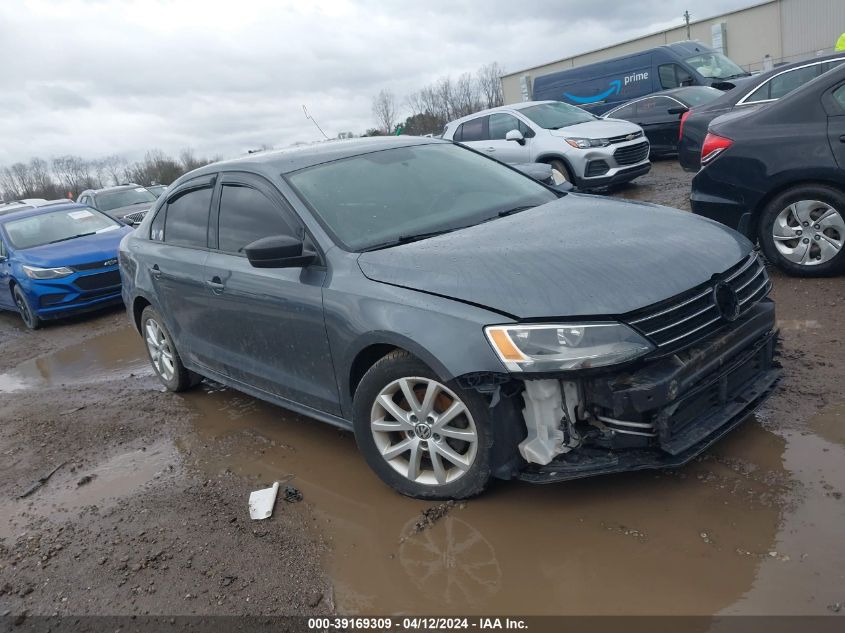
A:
(147, 512)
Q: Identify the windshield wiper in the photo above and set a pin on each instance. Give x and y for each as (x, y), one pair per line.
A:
(407, 239)
(72, 237)
(507, 212)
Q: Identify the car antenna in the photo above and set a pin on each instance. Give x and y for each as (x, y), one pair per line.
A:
(309, 117)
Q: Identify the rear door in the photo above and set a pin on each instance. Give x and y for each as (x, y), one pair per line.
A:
(175, 262)
(267, 327)
(473, 133)
(834, 103)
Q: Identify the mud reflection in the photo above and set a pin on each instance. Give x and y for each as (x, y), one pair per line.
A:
(689, 541)
(104, 357)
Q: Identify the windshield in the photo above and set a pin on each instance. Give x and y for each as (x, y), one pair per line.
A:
(117, 199)
(715, 66)
(57, 226)
(553, 116)
(384, 197)
(699, 95)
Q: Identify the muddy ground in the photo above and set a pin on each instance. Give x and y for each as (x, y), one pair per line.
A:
(147, 512)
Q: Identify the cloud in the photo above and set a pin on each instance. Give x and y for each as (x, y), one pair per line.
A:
(97, 77)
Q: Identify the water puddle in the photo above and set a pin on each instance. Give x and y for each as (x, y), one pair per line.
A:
(106, 357)
(708, 538)
(102, 485)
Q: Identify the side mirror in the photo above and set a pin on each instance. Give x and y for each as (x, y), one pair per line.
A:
(679, 110)
(564, 187)
(3, 259)
(278, 251)
(515, 135)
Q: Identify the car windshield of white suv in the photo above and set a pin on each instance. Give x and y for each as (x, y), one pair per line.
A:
(553, 116)
(404, 194)
(124, 198)
(715, 66)
(57, 226)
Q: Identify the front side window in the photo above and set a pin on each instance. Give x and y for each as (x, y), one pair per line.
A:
(393, 195)
(247, 215)
(839, 97)
(553, 116)
(625, 112)
(57, 226)
(186, 218)
(655, 108)
(670, 76)
(123, 198)
(500, 124)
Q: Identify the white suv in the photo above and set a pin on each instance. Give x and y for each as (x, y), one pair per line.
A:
(588, 151)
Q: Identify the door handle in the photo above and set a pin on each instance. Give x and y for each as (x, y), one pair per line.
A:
(489, 149)
(842, 138)
(155, 271)
(216, 284)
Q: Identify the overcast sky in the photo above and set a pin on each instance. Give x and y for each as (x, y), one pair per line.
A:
(93, 78)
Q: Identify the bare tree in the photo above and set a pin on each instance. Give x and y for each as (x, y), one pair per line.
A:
(490, 84)
(384, 111)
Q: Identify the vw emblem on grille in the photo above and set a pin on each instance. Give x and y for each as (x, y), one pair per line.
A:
(726, 301)
(110, 262)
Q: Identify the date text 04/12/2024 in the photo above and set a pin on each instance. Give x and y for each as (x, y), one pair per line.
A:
(415, 624)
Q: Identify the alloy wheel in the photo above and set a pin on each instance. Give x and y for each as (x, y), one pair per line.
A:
(23, 308)
(424, 431)
(160, 348)
(809, 232)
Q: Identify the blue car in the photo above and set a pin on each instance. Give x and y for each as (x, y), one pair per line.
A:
(57, 261)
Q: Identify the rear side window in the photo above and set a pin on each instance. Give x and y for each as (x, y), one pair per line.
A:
(471, 130)
(247, 215)
(839, 96)
(625, 112)
(782, 85)
(186, 218)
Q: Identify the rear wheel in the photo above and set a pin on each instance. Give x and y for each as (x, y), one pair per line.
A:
(424, 437)
(30, 319)
(560, 167)
(164, 358)
(802, 230)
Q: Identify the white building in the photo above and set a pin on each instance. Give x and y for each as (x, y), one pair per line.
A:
(785, 30)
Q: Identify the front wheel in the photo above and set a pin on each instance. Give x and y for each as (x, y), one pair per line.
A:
(164, 358)
(802, 231)
(424, 437)
(30, 319)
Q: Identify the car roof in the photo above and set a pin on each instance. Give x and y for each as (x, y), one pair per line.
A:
(283, 161)
(16, 214)
(122, 187)
(504, 108)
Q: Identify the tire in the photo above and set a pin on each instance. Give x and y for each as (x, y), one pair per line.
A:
(559, 166)
(450, 481)
(165, 359)
(28, 316)
(802, 231)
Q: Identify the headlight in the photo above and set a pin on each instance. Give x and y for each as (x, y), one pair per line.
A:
(555, 347)
(33, 272)
(587, 143)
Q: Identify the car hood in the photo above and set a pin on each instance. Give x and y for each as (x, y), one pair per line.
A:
(603, 128)
(81, 250)
(578, 256)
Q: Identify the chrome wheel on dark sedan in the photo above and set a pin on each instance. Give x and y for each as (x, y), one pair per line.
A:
(809, 232)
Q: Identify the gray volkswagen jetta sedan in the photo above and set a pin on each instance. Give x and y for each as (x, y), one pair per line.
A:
(464, 320)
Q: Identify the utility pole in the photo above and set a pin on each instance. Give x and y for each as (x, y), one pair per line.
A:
(686, 19)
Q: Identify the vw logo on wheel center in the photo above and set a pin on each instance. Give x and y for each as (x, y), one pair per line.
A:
(423, 430)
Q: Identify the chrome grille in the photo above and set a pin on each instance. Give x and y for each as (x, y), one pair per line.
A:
(631, 154)
(687, 318)
(625, 138)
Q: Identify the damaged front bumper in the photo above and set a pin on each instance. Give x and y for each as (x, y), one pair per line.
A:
(659, 415)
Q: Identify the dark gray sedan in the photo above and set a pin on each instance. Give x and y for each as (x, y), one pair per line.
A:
(464, 320)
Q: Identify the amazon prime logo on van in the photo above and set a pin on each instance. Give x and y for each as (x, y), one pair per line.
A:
(615, 88)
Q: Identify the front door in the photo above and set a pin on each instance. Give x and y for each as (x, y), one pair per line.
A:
(503, 150)
(5, 277)
(268, 328)
(835, 106)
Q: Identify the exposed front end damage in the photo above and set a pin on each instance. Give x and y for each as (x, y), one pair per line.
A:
(661, 413)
